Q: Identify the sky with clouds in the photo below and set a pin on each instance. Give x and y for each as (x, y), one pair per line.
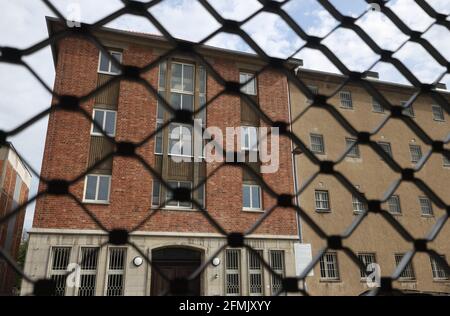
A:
(22, 23)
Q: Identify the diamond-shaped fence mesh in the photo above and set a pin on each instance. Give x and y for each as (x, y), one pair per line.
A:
(62, 187)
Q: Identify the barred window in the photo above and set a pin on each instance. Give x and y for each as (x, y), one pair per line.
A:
(88, 276)
(251, 196)
(96, 188)
(277, 265)
(255, 273)
(376, 106)
(346, 99)
(250, 87)
(329, 269)
(358, 205)
(169, 195)
(115, 271)
(106, 66)
(366, 258)
(408, 111)
(425, 206)
(354, 151)
(315, 91)
(438, 271)
(446, 161)
(408, 271)
(232, 272)
(58, 271)
(394, 205)
(438, 112)
(106, 119)
(322, 201)
(386, 147)
(416, 153)
(317, 143)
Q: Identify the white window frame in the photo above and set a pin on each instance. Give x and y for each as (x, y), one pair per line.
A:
(177, 206)
(115, 271)
(346, 100)
(103, 125)
(160, 121)
(233, 271)
(397, 205)
(425, 204)
(252, 143)
(182, 91)
(96, 201)
(321, 201)
(109, 72)
(253, 82)
(409, 111)
(255, 271)
(415, 152)
(319, 136)
(438, 273)
(376, 106)
(441, 114)
(358, 205)
(91, 272)
(59, 272)
(251, 208)
(180, 140)
(408, 273)
(329, 267)
(364, 256)
(354, 152)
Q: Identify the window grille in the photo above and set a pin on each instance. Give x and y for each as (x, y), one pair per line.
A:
(88, 275)
(376, 106)
(394, 205)
(329, 269)
(425, 206)
(277, 265)
(232, 272)
(408, 111)
(317, 143)
(58, 271)
(366, 259)
(438, 112)
(438, 271)
(346, 99)
(408, 271)
(115, 272)
(354, 151)
(386, 147)
(416, 153)
(358, 205)
(255, 273)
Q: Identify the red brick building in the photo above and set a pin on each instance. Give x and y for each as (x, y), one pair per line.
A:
(14, 185)
(121, 192)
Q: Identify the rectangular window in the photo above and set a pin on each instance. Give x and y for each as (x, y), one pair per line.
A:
(358, 205)
(439, 272)
(408, 111)
(202, 94)
(160, 108)
(156, 192)
(346, 99)
(366, 258)
(250, 87)
(408, 271)
(438, 112)
(277, 265)
(315, 91)
(317, 143)
(354, 152)
(416, 153)
(105, 64)
(106, 120)
(251, 196)
(255, 273)
(88, 275)
(329, 269)
(386, 147)
(180, 140)
(182, 86)
(446, 161)
(169, 195)
(159, 140)
(394, 205)
(232, 272)
(115, 271)
(376, 106)
(425, 206)
(249, 138)
(96, 188)
(58, 271)
(322, 201)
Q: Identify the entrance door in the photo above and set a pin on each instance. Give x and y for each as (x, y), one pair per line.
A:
(175, 263)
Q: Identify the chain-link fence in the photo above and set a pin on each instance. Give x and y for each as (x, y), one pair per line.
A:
(62, 187)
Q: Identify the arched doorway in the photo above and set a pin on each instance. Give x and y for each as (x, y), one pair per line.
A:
(175, 263)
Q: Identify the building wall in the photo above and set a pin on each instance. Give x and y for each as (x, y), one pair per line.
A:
(137, 280)
(373, 177)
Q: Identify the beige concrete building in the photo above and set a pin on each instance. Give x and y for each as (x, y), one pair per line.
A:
(333, 208)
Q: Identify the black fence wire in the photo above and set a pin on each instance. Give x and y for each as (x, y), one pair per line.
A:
(62, 187)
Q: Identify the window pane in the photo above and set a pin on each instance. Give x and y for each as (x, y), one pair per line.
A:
(103, 189)
(188, 78)
(186, 185)
(175, 101)
(188, 102)
(159, 140)
(253, 138)
(98, 118)
(246, 196)
(162, 75)
(115, 69)
(186, 141)
(159, 111)
(202, 79)
(176, 77)
(110, 123)
(256, 197)
(91, 186)
(174, 139)
(169, 195)
(104, 62)
(155, 193)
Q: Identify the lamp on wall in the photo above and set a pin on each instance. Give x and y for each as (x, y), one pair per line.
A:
(216, 261)
(137, 261)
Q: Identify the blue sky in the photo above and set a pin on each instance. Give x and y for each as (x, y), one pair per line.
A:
(22, 23)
